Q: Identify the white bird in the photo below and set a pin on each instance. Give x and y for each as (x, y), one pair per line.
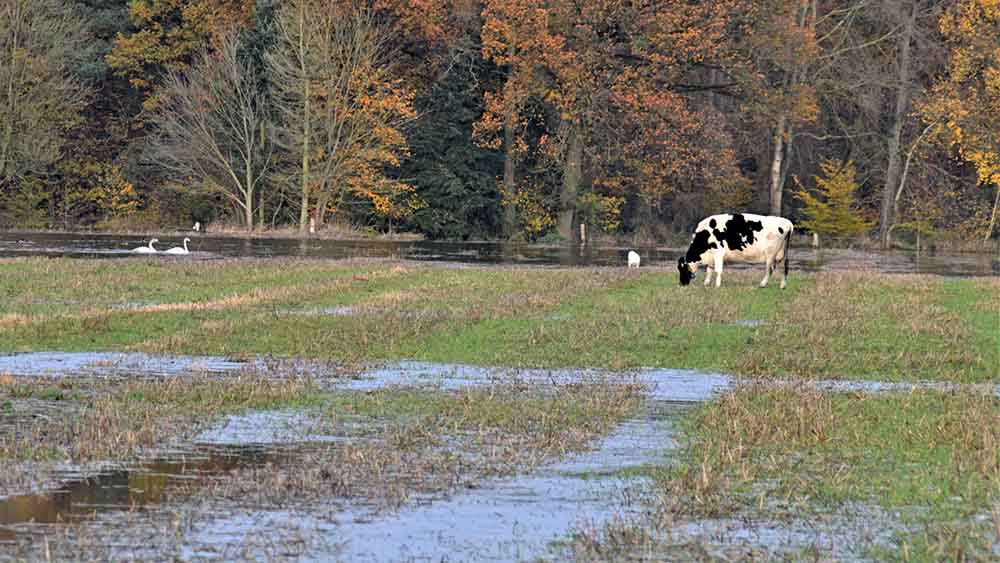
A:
(147, 249)
(179, 250)
(633, 259)
(197, 226)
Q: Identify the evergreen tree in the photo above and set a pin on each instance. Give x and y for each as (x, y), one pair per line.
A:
(834, 215)
(456, 178)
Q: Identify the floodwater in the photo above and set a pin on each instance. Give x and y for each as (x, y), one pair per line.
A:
(85, 496)
(512, 518)
(208, 247)
(663, 384)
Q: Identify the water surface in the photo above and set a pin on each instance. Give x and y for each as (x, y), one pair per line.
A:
(208, 247)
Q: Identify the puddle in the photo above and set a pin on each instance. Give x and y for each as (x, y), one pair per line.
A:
(265, 428)
(752, 323)
(335, 311)
(843, 535)
(82, 497)
(112, 363)
(664, 384)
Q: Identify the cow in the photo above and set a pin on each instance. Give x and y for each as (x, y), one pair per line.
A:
(741, 237)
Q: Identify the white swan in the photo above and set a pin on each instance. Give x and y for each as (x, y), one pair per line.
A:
(147, 249)
(179, 250)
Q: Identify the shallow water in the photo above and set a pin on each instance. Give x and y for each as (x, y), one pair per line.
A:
(516, 518)
(678, 385)
(208, 247)
(78, 364)
(124, 488)
(513, 518)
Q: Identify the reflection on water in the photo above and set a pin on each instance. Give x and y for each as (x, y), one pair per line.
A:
(207, 247)
(124, 489)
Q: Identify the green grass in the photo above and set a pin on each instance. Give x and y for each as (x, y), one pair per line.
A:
(645, 320)
(831, 325)
(859, 325)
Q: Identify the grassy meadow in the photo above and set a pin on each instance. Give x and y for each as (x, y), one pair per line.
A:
(843, 325)
(924, 465)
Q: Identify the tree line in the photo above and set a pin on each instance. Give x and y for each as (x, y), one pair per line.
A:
(518, 119)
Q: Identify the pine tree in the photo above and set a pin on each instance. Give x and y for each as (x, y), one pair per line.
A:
(833, 213)
(456, 178)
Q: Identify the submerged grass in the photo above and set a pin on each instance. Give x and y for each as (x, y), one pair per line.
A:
(428, 441)
(84, 421)
(419, 443)
(829, 325)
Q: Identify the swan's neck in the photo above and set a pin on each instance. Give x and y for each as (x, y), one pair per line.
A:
(185, 245)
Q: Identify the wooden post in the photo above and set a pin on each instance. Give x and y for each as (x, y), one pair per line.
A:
(583, 233)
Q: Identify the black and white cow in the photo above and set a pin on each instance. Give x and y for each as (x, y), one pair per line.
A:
(741, 237)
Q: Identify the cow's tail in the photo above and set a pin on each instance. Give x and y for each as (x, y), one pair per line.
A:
(788, 239)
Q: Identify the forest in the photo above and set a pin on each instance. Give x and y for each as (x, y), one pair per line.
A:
(501, 119)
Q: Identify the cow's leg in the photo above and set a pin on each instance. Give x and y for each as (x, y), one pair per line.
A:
(718, 269)
(784, 272)
(768, 271)
(708, 275)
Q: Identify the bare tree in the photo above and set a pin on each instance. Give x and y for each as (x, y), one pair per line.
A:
(212, 126)
(39, 96)
(340, 110)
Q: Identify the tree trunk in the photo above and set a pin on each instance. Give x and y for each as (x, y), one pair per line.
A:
(321, 202)
(779, 154)
(248, 213)
(304, 212)
(572, 173)
(509, 169)
(249, 179)
(261, 219)
(11, 101)
(993, 216)
(892, 175)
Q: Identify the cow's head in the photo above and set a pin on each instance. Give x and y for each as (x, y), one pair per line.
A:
(686, 269)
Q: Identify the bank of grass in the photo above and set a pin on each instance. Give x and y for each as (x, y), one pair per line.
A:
(855, 325)
(929, 460)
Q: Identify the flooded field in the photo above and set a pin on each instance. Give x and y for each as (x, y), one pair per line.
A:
(185, 502)
(206, 247)
(370, 409)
